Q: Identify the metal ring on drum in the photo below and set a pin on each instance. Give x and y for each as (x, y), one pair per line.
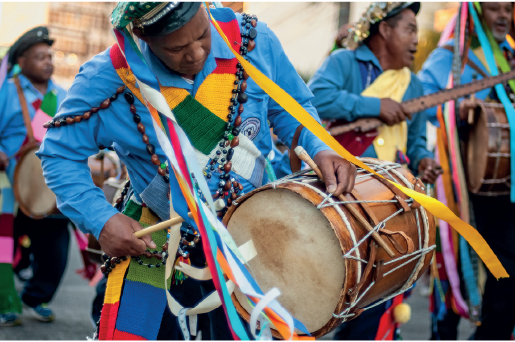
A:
(325, 264)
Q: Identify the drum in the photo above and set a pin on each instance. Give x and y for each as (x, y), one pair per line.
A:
(34, 197)
(488, 152)
(318, 254)
(103, 165)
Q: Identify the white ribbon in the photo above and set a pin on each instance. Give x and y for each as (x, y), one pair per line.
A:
(247, 250)
(263, 303)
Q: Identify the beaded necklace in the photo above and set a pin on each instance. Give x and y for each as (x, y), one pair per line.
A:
(228, 187)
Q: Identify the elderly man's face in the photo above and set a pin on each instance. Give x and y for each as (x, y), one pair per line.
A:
(498, 17)
(402, 39)
(185, 51)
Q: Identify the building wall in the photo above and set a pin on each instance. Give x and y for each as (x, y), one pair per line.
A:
(306, 29)
(18, 17)
(81, 30)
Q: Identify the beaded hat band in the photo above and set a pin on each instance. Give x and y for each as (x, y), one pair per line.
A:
(376, 12)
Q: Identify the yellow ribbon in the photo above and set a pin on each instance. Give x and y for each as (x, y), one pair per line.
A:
(432, 205)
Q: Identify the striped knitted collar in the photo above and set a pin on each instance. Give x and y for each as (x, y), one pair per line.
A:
(169, 78)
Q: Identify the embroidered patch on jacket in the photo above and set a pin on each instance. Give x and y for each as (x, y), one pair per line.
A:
(250, 127)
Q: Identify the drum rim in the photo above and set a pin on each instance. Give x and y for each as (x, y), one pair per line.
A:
(350, 268)
(21, 154)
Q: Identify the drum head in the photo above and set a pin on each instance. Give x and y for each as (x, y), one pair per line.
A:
(297, 252)
(477, 149)
(33, 195)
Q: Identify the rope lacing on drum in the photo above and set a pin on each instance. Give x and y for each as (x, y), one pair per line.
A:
(379, 226)
(420, 253)
(287, 178)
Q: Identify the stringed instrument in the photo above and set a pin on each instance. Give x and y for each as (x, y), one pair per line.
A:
(416, 105)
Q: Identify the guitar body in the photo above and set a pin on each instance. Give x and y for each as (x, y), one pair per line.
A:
(355, 141)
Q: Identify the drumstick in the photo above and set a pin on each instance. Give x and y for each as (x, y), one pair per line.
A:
(160, 226)
(303, 155)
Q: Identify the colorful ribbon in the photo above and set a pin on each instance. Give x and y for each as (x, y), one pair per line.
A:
(220, 258)
(499, 88)
(435, 207)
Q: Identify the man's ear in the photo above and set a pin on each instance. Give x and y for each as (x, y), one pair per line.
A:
(137, 31)
(384, 30)
(22, 61)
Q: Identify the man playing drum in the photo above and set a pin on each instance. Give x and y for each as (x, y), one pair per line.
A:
(489, 48)
(30, 60)
(228, 123)
(369, 80)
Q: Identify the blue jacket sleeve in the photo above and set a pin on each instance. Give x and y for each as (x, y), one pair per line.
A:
(330, 86)
(12, 127)
(283, 124)
(434, 76)
(64, 153)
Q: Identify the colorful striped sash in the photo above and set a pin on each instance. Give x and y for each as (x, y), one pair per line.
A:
(135, 296)
(204, 117)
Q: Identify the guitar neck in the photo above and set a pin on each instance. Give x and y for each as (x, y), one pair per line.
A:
(428, 101)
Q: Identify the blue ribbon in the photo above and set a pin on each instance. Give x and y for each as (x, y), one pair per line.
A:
(499, 88)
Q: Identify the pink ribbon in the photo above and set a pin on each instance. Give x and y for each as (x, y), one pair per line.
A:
(448, 249)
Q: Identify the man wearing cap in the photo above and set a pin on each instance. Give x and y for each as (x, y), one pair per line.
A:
(493, 212)
(224, 115)
(30, 65)
(369, 80)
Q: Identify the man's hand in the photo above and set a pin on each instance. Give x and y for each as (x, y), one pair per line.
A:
(334, 167)
(467, 104)
(4, 161)
(429, 170)
(117, 237)
(393, 112)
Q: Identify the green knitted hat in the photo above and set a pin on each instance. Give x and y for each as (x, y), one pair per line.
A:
(154, 18)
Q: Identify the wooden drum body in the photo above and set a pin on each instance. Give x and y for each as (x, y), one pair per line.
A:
(34, 197)
(310, 248)
(488, 152)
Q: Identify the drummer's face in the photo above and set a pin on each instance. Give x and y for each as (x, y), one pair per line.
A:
(498, 17)
(185, 50)
(36, 62)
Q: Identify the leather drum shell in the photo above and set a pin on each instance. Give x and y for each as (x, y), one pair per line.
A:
(34, 197)
(300, 248)
(488, 151)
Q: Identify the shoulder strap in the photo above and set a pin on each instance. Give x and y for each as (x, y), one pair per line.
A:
(24, 110)
(295, 162)
(469, 62)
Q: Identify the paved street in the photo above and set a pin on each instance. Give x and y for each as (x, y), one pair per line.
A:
(73, 301)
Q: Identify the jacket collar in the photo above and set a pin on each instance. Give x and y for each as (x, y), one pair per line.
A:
(364, 54)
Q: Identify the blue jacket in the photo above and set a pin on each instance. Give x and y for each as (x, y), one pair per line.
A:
(65, 150)
(337, 86)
